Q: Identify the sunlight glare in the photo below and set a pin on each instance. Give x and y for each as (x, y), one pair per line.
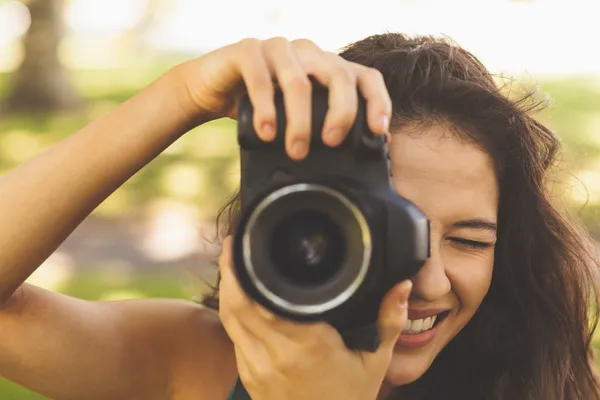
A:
(54, 273)
(172, 232)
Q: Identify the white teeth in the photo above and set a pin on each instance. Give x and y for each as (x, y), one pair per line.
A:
(419, 325)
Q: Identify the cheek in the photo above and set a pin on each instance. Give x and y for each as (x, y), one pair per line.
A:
(470, 276)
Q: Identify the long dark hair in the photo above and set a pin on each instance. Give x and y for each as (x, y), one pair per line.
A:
(531, 337)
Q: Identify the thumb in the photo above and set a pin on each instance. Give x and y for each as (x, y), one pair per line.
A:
(393, 313)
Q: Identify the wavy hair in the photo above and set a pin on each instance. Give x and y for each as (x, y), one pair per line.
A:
(531, 337)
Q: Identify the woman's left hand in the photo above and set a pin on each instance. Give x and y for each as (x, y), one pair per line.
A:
(280, 359)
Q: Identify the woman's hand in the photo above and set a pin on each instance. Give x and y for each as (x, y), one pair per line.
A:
(279, 359)
(213, 82)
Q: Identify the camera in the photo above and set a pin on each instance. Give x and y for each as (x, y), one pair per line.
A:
(324, 238)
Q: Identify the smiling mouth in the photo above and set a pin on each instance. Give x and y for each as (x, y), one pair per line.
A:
(421, 325)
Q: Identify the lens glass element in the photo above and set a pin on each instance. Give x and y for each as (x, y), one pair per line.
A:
(308, 247)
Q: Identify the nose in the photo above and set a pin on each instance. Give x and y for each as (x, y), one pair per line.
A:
(431, 283)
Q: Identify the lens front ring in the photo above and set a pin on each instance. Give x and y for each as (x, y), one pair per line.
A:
(365, 243)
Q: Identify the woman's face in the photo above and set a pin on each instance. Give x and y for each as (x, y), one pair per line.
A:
(454, 184)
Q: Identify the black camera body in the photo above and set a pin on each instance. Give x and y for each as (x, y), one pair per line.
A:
(324, 238)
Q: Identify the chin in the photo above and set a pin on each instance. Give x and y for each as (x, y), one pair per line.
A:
(405, 369)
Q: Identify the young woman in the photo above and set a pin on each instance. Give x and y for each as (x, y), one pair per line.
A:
(500, 310)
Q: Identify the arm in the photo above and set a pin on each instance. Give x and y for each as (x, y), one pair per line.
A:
(67, 348)
(64, 347)
(43, 200)
(71, 349)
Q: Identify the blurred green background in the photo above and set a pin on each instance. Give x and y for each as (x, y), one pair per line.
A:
(65, 63)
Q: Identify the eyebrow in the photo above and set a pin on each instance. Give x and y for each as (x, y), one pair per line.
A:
(477, 223)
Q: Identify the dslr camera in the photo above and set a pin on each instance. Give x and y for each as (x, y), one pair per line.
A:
(324, 238)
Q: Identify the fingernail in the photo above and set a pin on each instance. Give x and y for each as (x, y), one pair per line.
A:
(268, 130)
(332, 136)
(403, 304)
(384, 123)
(406, 288)
(299, 148)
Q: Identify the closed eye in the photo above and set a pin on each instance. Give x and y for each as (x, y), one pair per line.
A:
(472, 244)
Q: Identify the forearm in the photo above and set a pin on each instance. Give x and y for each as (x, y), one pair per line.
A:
(43, 200)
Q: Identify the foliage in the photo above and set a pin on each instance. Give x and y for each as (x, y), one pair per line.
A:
(201, 169)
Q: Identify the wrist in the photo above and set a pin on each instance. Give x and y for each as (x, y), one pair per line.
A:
(178, 88)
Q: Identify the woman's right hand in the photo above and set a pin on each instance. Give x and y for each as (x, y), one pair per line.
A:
(214, 81)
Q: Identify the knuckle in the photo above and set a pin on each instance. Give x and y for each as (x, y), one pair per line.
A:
(262, 374)
(375, 76)
(284, 363)
(250, 43)
(299, 84)
(277, 41)
(305, 44)
(262, 88)
(373, 73)
(344, 74)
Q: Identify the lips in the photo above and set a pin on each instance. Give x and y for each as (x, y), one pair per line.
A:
(418, 337)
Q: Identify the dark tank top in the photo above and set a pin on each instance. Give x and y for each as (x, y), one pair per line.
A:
(239, 392)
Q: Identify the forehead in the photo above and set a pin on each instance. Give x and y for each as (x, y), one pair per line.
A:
(448, 178)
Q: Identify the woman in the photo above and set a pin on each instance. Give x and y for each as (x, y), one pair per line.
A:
(500, 310)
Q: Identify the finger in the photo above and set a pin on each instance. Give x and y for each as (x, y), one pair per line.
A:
(233, 301)
(246, 321)
(343, 106)
(226, 265)
(241, 337)
(379, 105)
(336, 74)
(237, 309)
(297, 94)
(254, 338)
(232, 293)
(259, 84)
(393, 314)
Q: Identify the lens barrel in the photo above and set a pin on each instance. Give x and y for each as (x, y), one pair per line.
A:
(307, 248)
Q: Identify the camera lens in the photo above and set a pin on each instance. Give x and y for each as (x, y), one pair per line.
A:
(308, 247)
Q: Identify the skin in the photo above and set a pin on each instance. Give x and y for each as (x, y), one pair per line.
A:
(451, 181)
(67, 348)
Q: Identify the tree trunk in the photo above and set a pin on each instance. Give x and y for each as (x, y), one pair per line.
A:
(41, 83)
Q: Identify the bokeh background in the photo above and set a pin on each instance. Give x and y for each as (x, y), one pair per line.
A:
(64, 63)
